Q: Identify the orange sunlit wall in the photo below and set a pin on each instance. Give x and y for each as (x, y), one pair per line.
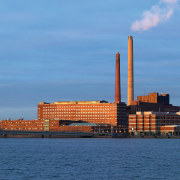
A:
(155, 98)
(151, 122)
(98, 112)
(22, 125)
(40, 125)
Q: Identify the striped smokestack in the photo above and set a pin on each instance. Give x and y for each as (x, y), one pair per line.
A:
(130, 97)
(117, 81)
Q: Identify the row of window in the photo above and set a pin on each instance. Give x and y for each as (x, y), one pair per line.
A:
(21, 125)
(63, 109)
(78, 113)
(78, 116)
(100, 106)
(17, 122)
(23, 128)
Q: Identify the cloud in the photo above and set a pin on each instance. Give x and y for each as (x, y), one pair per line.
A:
(156, 15)
(170, 1)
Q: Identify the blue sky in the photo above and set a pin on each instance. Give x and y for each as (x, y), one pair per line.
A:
(62, 50)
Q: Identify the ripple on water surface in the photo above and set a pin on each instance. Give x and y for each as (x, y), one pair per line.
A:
(89, 159)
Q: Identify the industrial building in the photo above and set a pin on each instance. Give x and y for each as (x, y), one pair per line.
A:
(151, 123)
(148, 115)
(98, 112)
(152, 102)
(58, 126)
(155, 98)
(40, 125)
(79, 116)
(172, 130)
(22, 125)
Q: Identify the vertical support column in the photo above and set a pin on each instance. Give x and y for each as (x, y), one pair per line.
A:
(117, 81)
(130, 97)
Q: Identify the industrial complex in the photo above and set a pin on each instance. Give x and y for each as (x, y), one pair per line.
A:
(148, 115)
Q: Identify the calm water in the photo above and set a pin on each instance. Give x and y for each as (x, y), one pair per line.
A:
(89, 159)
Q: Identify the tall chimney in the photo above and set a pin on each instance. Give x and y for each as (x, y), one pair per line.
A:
(117, 83)
(130, 97)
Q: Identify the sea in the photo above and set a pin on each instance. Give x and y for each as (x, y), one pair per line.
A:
(88, 158)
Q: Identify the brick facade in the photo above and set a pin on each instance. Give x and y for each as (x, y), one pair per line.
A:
(98, 112)
(152, 122)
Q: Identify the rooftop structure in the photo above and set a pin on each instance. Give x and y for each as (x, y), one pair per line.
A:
(155, 98)
(76, 102)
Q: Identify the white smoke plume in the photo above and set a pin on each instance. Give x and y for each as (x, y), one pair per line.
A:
(157, 14)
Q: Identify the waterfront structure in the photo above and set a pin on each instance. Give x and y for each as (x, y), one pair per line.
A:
(98, 112)
(170, 130)
(44, 126)
(41, 125)
(22, 125)
(59, 116)
(150, 114)
(153, 122)
(130, 94)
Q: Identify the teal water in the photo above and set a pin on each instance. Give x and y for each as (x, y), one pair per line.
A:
(89, 159)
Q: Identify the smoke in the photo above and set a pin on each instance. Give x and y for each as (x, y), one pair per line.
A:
(157, 14)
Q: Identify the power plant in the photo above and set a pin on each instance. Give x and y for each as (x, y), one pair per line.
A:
(147, 115)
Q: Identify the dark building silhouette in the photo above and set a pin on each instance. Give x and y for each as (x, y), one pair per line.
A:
(155, 98)
(152, 102)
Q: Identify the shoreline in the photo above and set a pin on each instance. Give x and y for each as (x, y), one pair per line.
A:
(39, 134)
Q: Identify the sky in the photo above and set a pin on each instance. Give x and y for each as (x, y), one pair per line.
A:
(63, 50)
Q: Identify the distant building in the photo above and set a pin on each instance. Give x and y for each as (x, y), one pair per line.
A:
(170, 130)
(155, 98)
(57, 126)
(150, 114)
(74, 116)
(153, 122)
(152, 102)
(22, 125)
(98, 112)
(41, 125)
(80, 116)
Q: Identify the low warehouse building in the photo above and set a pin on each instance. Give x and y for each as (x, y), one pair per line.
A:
(152, 122)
